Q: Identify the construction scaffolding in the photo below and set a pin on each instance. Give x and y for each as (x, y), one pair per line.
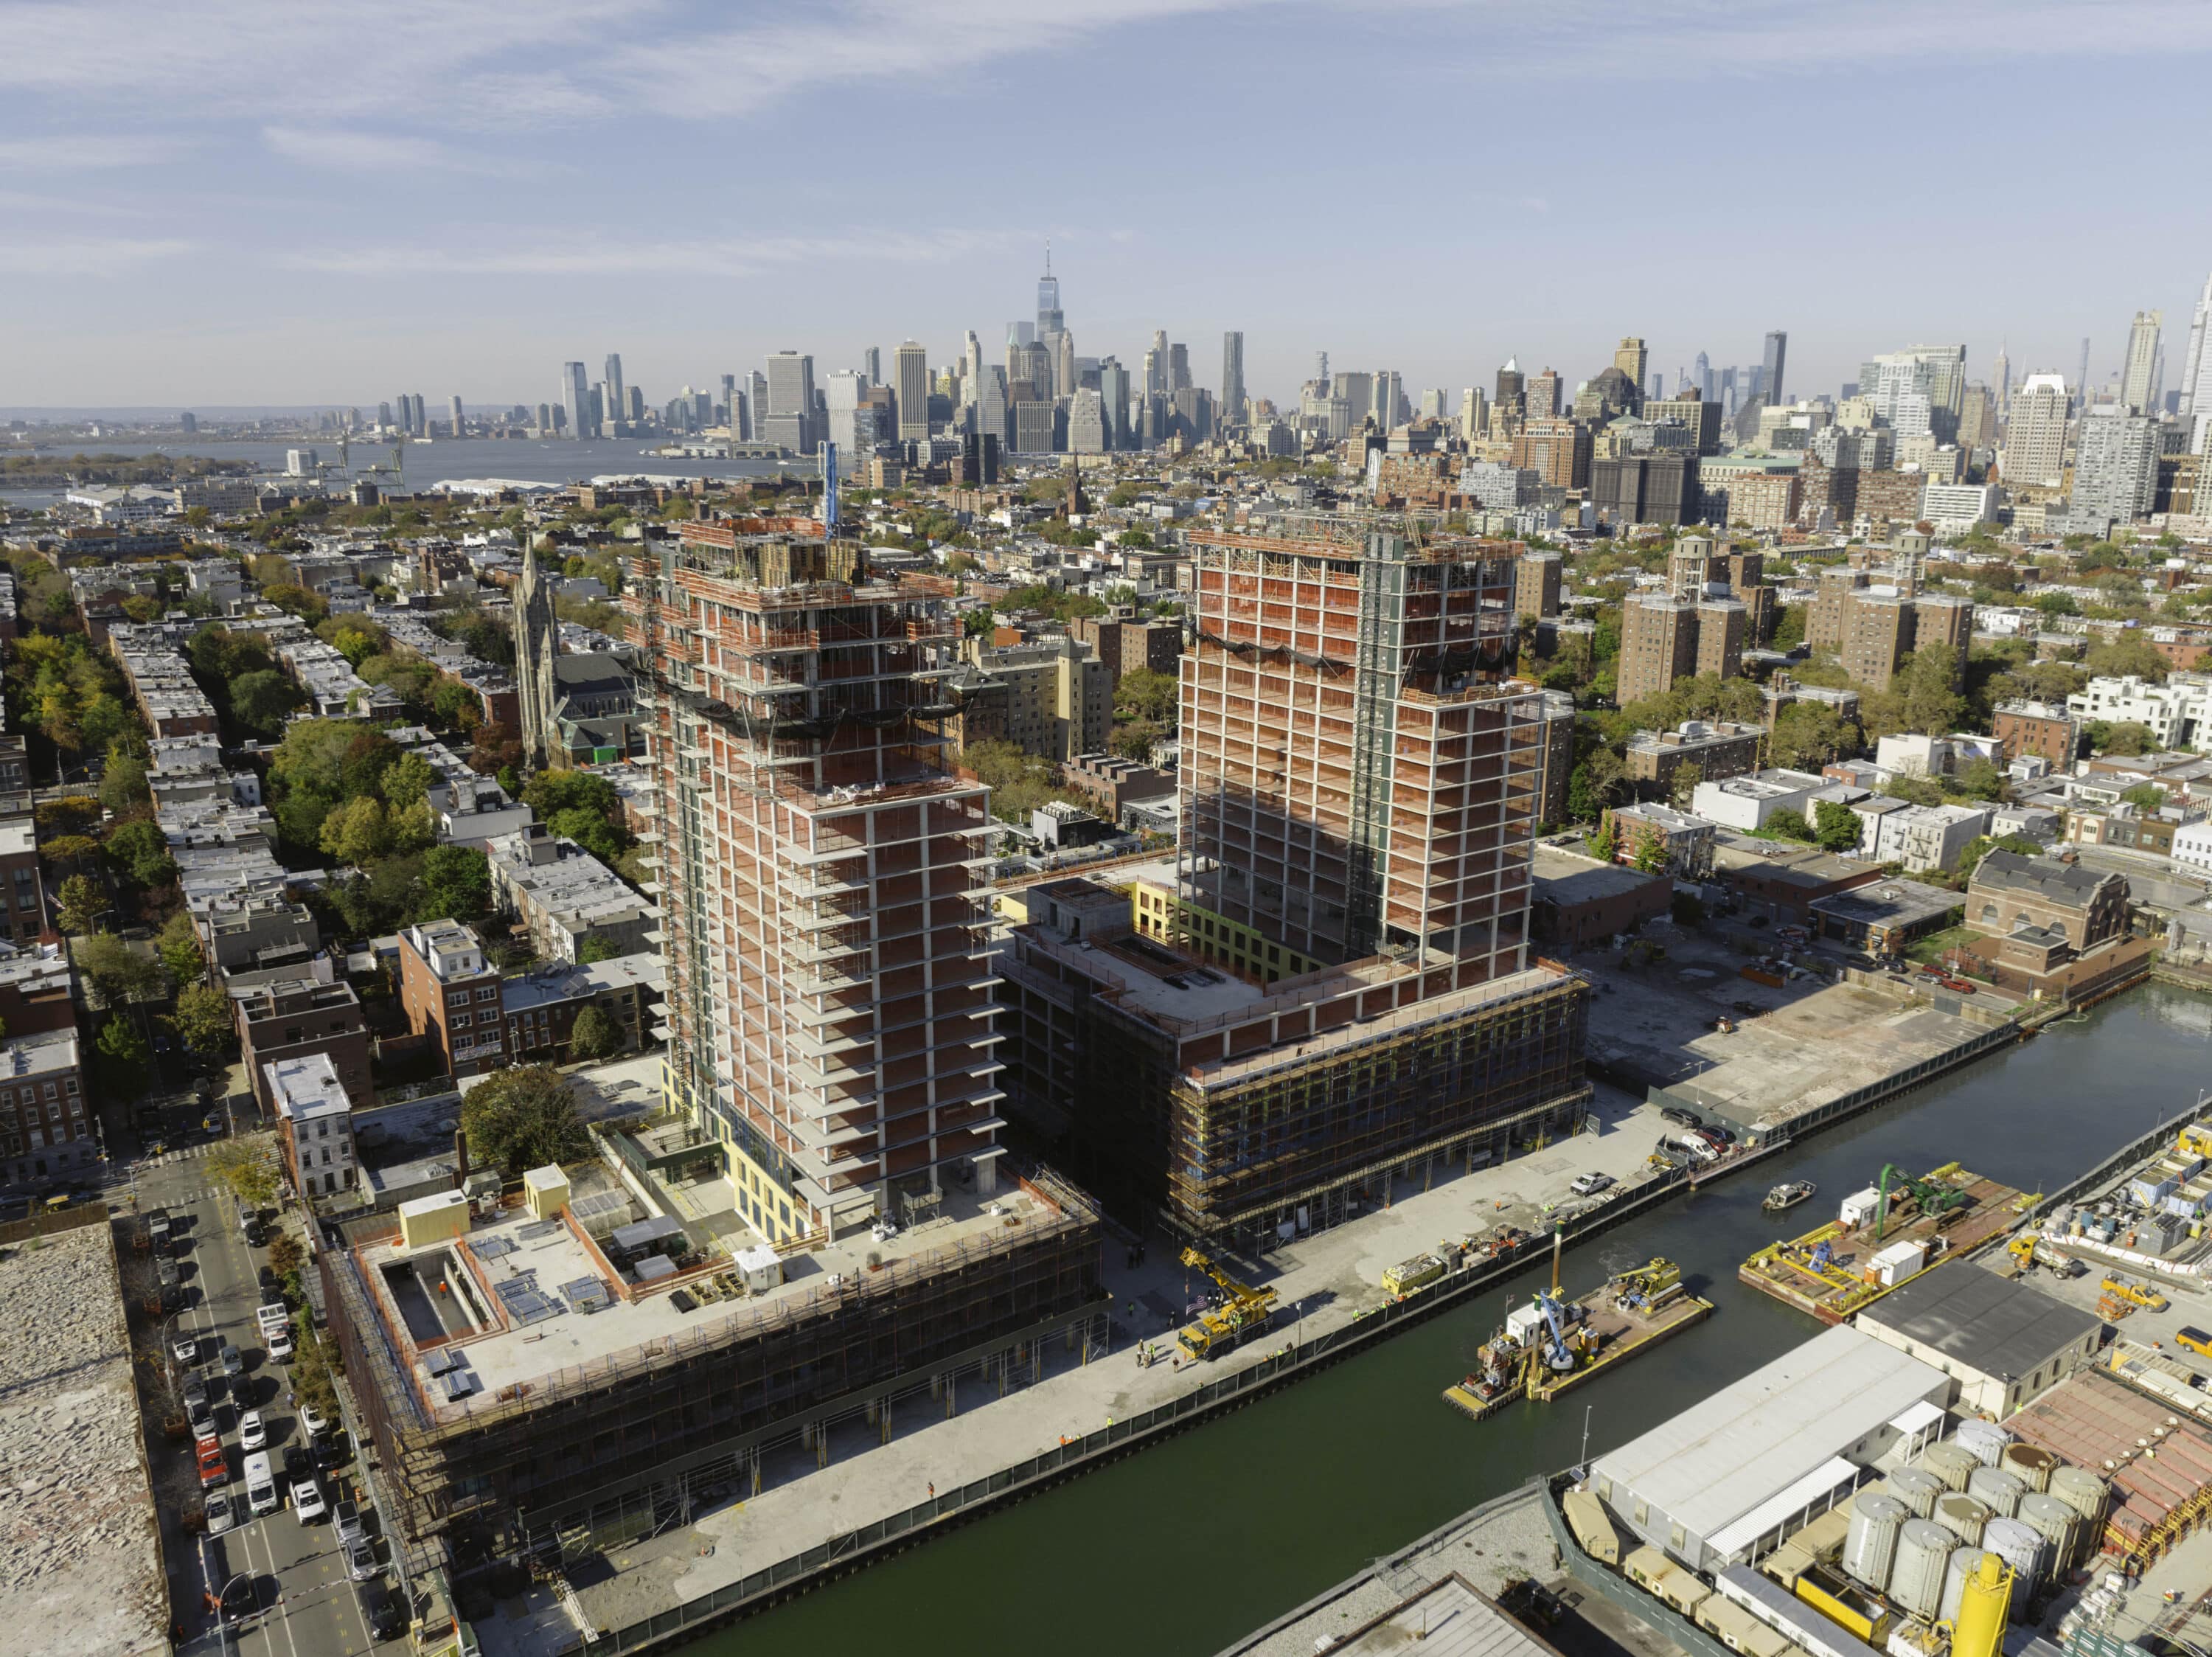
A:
(618, 1434)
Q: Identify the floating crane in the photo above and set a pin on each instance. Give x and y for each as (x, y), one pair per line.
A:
(1243, 1309)
(1935, 1200)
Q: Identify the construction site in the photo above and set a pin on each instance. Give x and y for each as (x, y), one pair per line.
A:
(558, 1378)
(1340, 987)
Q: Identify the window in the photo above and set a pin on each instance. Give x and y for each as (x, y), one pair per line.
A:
(458, 998)
(68, 1086)
(322, 1130)
(52, 1091)
(291, 1034)
(460, 1020)
(488, 992)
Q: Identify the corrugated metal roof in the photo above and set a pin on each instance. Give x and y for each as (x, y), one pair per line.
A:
(1720, 1458)
(1980, 1321)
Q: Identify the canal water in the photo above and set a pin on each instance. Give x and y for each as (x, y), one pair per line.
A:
(1181, 1548)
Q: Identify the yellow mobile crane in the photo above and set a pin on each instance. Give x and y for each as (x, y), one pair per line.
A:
(1245, 1310)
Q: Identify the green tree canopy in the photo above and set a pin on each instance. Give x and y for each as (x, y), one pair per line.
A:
(1788, 825)
(523, 1119)
(203, 1019)
(1835, 826)
(139, 851)
(456, 883)
(124, 1058)
(595, 1034)
(78, 902)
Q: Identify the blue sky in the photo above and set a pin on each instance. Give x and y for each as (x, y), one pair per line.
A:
(234, 202)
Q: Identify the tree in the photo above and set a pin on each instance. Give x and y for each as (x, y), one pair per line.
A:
(114, 972)
(2127, 738)
(1605, 845)
(73, 814)
(1647, 852)
(203, 1019)
(357, 831)
(590, 831)
(297, 600)
(1835, 826)
(124, 1058)
(1145, 693)
(456, 883)
(1594, 784)
(123, 785)
(260, 702)
(178, 944)
(69, 851)
(409, 781)
(1788, 825)
(595, 1034)
(1807, 736)
(285, 1254)
(2145, 796)
(140, 852)
(1688, 909)
(523, 1119)
(1929, 702)
(597, 948)
(1682, 783)
(1981, 780)
(78, 903)
(2126, 655)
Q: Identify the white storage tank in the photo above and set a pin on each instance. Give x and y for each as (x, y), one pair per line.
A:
(2029, 1463)
(1985, 1439)
(2019, 1547)
(1916, 1580)
(2057, 1524)
(1997, 1490)
(1950, 1463)
(1917, 1489)
(2084, 1492)
(1961, 1515)
(1871, 1544)
(1955, 1581)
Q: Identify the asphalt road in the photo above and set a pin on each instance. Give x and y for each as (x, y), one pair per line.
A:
(308, 1606)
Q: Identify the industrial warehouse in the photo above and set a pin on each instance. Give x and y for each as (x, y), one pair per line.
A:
(1831, 1504)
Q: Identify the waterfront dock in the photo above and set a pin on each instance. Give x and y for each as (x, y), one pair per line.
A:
(1845, 1265)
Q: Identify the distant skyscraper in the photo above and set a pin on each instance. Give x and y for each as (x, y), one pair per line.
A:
(1064, 381)
(872, 360)
(972, 357)
(2000, 371)
(188, 421)
(1113, 392)
(2035, 436)
(1156, 366)
(2115, 469)
(1232, 377)
(2196, 371)
(2138, 377)
(1778, 347)
(785, 417)
(1321, 359)
(1702, 377)
(756, 402)
(910, 380)
(2081, 375)
(1178, 369)
(576, 398)
(617, 399)
(730, 401)
(1474, 415)
(1050, 320)
(1630, 356)
(456, 412)
(987, 409)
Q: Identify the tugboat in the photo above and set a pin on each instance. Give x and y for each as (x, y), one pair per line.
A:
(1788, 1195)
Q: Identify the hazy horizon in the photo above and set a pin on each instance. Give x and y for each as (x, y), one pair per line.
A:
(226, 205)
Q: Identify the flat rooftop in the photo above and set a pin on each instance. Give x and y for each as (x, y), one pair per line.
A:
(78, 1534)
(505, 1339)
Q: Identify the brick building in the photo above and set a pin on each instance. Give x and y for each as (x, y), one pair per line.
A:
(314, 1122)
(1122, 642)
(295, 1019)
(541, 1006)
(1717, 748)
(451, 994)
(2039, 728)
(1536, 585)
(1664, 638)
(1580, 901)
(45, 1131)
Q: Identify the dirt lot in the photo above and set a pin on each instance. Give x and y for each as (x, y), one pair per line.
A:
(1793, 1048)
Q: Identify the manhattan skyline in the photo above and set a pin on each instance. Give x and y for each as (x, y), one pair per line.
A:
(249, 210)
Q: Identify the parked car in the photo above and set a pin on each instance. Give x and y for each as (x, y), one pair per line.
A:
(280, 1344)
(361, 1558)
(308, 1500)
(233, 1364)
(1590, 1185)
(314, 1422)
(252, 1431)
(345, 1519)
(382, 1611)
(215, 1466)
(1678, 1116)
(187, 1348)
(220, 1514)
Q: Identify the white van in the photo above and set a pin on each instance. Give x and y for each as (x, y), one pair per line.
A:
(261, 1492)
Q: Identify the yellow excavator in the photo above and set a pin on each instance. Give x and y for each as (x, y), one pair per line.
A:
(1243, 1309)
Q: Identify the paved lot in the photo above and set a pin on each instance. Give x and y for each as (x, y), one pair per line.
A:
(309, 1608)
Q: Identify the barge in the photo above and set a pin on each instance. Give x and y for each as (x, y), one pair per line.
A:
(1889, 1233)
(1551, 1346)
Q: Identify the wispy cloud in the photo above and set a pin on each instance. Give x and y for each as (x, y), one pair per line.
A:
(505, 255)
(344, 151)
(84, 256)
(71, 152)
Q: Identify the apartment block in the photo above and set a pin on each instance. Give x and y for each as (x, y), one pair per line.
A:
(541, 1006)
(1658, 645)
(1650, 486)
(2039, 728)
(1122, 642)
(2177, 713)
(1717, 748)
(45, 1129)
(831, 1023)
(290, 1021)
(1359, 789)
(1536, 585)
(450, 994)
(1555, 758)
(565, 896)
(314, 1122)
(1556, 448)
(1059, 696)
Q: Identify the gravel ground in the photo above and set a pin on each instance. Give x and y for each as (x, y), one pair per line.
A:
(78, 1547)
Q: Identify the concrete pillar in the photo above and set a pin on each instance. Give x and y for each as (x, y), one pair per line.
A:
(986, 1176)
(873, 1407)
